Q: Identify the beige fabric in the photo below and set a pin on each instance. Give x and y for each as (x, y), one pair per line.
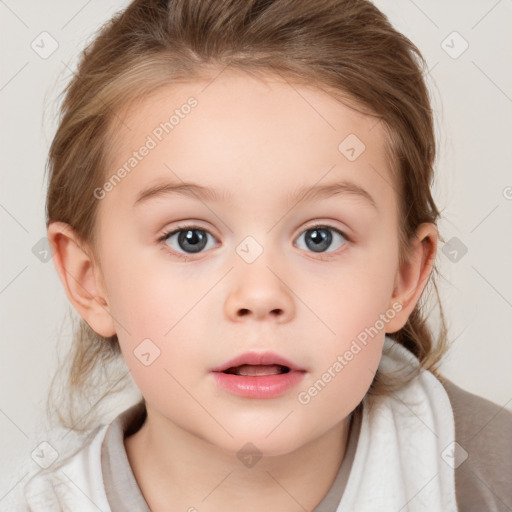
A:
(121, 488)
(483, 481)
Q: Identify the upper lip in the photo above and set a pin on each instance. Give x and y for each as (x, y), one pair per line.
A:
(258, 358)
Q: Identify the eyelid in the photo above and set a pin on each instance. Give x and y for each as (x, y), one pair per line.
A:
(183, 225)
(325, 224)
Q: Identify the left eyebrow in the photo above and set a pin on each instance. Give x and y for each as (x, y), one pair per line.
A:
(197, 191)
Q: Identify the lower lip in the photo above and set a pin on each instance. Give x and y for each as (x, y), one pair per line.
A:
(264, 386)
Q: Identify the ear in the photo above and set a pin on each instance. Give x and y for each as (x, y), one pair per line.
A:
(81, 277)
(412, 276)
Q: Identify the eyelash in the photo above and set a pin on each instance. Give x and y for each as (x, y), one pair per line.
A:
(164, 236)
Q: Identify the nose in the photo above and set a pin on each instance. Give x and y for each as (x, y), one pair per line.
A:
(258, 292)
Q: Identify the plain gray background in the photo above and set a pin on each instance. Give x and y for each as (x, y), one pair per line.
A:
(472, 97)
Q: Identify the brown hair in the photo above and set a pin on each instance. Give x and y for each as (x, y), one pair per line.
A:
(346, 47)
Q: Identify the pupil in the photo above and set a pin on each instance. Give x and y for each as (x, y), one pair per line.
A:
(322, 239)
(192, 240)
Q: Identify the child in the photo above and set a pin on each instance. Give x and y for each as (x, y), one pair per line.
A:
(276, 374)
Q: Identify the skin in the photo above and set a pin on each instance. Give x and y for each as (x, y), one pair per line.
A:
(259, 140)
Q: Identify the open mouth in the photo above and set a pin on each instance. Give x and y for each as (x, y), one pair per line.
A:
(258, 375)
(251, 370)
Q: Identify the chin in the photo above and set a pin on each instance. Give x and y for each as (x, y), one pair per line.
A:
(263, 442)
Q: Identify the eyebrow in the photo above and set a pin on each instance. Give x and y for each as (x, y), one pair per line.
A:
(201, 192)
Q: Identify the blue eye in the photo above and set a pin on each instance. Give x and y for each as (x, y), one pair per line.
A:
(191, 240)
(319, 238)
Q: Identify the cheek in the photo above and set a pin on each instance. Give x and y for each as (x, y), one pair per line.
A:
(356, 306)
(156, 321)
(335, 390)
(356, 297)
(160, 351)
(144, 297)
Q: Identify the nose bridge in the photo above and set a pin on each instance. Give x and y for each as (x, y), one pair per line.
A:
(258, 287)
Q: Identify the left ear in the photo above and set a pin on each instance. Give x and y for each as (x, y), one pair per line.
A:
(412, 276)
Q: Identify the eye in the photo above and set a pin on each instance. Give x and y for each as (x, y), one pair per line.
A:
(190, 239)
(319, 238)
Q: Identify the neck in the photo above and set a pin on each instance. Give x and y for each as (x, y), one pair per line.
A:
(173, 466)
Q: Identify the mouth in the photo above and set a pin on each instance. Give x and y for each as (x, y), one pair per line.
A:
(254, 364)
(250, 370)
(262, 375)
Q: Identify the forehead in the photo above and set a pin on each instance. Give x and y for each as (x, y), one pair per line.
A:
(238, 132)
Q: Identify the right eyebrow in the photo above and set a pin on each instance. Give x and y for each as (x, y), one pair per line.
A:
(188, 189)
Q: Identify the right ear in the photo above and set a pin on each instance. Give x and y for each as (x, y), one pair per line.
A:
(81, 277)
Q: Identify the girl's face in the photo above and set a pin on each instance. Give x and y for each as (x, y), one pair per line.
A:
(248, 273)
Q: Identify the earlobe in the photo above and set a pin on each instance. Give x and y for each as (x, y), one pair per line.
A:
(413, 275)
(81, 277)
